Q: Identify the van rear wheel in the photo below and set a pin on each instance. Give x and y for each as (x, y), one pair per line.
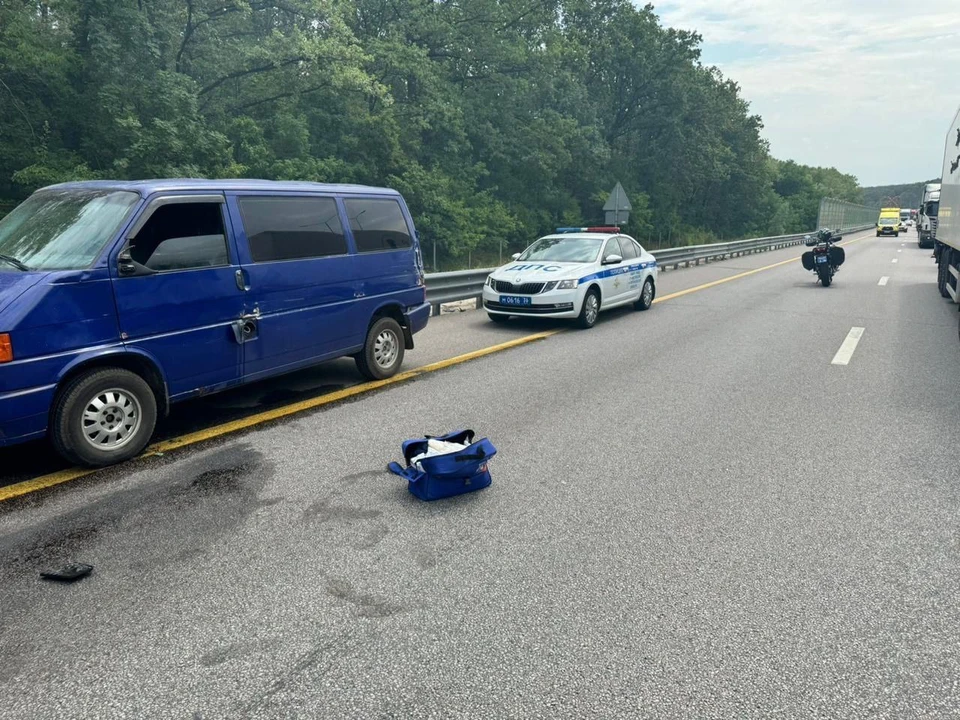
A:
(103, 417)
(382, 352)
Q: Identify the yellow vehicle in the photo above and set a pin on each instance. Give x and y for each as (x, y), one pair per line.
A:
(889, 222)
(888, 226)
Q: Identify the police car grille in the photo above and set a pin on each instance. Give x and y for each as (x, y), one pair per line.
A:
(525, 289)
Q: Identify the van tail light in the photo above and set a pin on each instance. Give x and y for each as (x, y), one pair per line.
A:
(6, 348)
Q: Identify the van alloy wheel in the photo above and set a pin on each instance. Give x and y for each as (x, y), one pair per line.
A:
(386, 347)
(103, 416)
(111, 418)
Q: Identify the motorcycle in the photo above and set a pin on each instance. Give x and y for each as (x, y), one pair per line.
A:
(826, 257)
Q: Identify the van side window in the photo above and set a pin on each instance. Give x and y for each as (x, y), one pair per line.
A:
(377, 225)
(287, 228)
(182, 236)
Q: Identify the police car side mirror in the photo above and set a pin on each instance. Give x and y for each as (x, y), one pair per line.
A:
(516, 256)
(612, 260)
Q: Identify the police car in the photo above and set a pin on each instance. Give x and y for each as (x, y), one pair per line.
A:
(575, 273)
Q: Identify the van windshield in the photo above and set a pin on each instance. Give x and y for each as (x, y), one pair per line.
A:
(62, 229)
(888, 221)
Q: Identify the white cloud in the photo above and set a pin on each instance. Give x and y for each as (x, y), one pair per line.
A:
(868, 86)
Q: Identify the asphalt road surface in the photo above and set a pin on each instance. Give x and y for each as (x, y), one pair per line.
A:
(695, 513)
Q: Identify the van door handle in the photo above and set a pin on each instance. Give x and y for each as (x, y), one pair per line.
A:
(242, 281)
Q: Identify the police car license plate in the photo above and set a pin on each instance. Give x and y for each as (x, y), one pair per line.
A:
(515, 300)
(822, 258)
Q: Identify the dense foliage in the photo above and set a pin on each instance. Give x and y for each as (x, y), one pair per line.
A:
(497, 119)
(907, 196)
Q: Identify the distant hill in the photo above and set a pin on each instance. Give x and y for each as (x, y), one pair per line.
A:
(909, 194)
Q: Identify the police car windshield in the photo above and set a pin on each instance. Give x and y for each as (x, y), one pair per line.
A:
(564, 249)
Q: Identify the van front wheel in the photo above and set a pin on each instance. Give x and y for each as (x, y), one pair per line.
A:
(382, 353)
(103, 417)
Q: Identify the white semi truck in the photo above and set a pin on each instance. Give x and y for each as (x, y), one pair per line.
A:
(947, 240)
(927, 215)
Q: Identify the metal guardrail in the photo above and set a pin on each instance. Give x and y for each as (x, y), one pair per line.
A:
(448, 287)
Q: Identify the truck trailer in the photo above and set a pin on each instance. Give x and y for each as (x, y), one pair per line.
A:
(946, 244)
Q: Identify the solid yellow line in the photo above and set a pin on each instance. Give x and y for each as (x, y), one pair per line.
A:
(57, 478)
(42, 483)
(47, 481)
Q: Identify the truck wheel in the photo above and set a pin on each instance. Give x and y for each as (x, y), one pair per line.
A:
(382, 352)
(103, 417)
(942, 275)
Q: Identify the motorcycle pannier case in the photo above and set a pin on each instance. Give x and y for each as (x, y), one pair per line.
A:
(837, 255)
(807, 260)
(442, 476)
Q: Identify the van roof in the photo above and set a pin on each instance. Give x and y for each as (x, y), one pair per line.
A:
(148, 187)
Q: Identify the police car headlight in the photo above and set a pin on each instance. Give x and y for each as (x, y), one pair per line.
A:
(489, 282)
(567, 285)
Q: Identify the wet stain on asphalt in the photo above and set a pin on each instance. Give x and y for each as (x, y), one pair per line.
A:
(354, 478)
(50, 550)
(430, 558)
(210, 495)
(233, 651)
(221, 480)
(366, 605)
(323, 511)
(362, 530)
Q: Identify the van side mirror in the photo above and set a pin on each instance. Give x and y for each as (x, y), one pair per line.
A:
(128, 267)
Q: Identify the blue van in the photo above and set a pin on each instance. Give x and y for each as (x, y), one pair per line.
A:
(120, 298)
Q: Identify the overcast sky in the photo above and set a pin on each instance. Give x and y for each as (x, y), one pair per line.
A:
(867, 86)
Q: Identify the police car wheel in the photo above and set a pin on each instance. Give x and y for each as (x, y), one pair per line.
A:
(382, 353)
(103, 417)
(498, 318)
(646, 296)
(590, 309)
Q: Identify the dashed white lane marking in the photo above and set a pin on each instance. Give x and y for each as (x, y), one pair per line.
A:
(849, 345)
(899, 250)
(884, 280)
(894, 260)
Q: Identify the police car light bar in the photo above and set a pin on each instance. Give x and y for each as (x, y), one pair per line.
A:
(598, 229)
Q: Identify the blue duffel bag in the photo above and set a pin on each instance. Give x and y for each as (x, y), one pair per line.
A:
(441, 476)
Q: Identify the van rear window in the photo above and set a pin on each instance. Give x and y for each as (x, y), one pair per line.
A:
(377, 225)
(288, 228)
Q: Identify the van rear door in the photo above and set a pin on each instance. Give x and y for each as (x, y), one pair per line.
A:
(300, 274)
